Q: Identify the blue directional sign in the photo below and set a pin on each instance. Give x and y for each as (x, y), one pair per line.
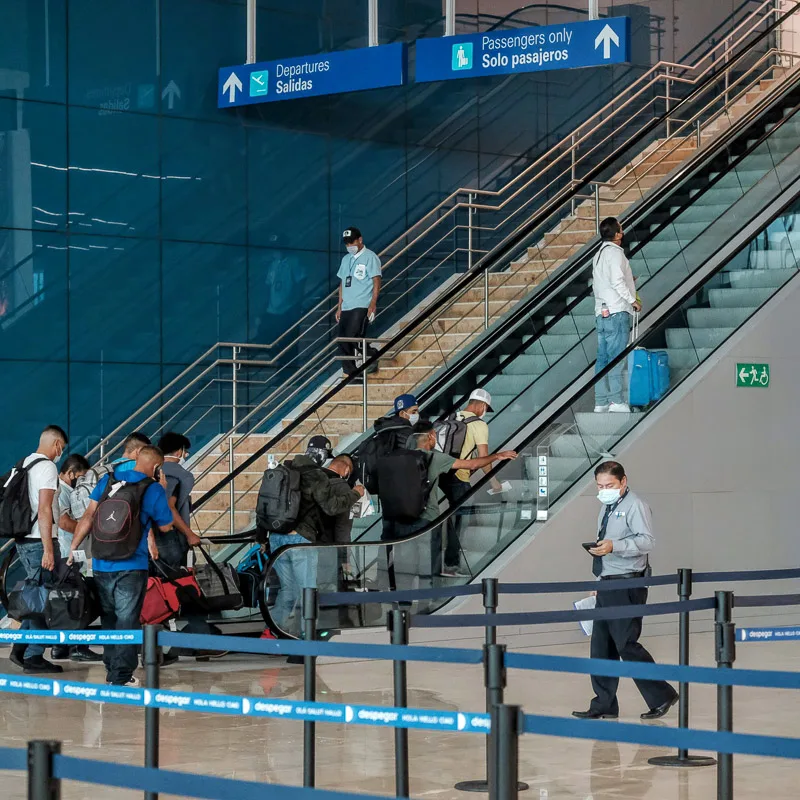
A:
(576, 44)
(310, 76)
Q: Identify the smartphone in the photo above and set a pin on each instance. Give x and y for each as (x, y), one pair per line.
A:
(588, 545)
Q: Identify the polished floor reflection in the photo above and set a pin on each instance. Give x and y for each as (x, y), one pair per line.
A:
(360, 759)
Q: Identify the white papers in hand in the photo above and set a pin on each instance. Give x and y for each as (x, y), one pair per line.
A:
(584, 605)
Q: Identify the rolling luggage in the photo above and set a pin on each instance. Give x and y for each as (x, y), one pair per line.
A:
(648, 373)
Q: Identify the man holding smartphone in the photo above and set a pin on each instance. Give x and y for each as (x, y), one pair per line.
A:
(624, 541)
(360, 284)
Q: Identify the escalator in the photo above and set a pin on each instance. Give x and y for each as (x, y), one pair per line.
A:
(708, 250)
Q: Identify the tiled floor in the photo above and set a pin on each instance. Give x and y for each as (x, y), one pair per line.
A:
(360, 759)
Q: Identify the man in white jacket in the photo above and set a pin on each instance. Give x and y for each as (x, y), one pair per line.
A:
(614, 304)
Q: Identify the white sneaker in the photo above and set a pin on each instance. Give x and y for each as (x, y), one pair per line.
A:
(600, 409)
(619, 408)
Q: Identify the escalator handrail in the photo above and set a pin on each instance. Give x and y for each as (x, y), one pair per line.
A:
(498, 254)
(737, 240)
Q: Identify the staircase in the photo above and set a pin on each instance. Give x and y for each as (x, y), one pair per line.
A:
(456, 325)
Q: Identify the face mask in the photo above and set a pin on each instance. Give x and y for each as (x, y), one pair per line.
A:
(352, 249)
(609, 496)
(413, 418)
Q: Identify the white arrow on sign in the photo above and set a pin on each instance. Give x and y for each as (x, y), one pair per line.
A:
(171, 91)
(231, 85)
(743, 375)
(605, 37)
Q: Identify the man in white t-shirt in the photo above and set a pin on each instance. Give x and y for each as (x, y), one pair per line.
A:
(39, 550)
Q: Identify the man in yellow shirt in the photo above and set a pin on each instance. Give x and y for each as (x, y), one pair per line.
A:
(455, 485)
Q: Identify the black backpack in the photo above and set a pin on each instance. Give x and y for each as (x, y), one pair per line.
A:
(278, 505)
(16, 515)
(390, 436)
(403, 475)
(117, 523)
(451, 433)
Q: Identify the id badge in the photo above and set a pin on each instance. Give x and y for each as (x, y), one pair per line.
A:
(348, 281)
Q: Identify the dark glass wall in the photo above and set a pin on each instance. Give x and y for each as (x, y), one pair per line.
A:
(139, 225)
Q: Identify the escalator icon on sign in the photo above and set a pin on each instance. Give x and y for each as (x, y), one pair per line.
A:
(462, 56)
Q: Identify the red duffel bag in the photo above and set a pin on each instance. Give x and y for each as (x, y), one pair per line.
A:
(165, 595)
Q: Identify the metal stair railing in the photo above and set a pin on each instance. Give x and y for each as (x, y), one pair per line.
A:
(316, 360)
(690, 121)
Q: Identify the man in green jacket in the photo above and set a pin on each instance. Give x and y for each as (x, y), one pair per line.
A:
(321, 496)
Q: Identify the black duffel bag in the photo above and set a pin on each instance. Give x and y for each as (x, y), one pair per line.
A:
(72, 602)
(219, 585)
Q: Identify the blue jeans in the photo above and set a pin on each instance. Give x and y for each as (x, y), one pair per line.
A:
(613, 336)
(297, 570)
(30, 554)
(121, 597)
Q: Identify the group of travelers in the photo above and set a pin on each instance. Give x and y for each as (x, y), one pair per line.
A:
(114, 520)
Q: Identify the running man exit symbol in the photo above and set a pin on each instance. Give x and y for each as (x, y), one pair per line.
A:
(462, 56)
(750, 375)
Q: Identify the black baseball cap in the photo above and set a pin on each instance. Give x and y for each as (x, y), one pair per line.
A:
(320, 443)
(351, 235)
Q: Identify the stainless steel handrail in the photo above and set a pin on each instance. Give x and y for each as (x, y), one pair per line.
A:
(646, 82)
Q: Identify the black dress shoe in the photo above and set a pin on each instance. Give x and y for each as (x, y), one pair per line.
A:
(593, 715)
(59, 652)
(38, 664)
(660, 711)
(17, 655)
(83, 655)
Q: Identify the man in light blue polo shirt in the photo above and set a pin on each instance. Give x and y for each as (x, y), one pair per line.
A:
(360, 284)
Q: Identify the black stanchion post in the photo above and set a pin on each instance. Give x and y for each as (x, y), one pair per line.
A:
(683, 759)
(505, 729)
(398, 627)
(310, 612)
(151, 655)
(494, 679)
(489, 590)
(725, 645)
(42, 785)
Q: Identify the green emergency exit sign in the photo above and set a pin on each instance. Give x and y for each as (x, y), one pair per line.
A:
(749, 375)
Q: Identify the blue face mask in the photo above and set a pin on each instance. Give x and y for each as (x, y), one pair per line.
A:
(609, 496)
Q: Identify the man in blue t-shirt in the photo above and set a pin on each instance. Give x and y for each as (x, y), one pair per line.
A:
(121, 585)
(360, 284)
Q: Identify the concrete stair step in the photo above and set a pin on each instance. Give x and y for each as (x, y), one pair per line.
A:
(697, 337)
(759, 278)
(717, 317)
(739, 298)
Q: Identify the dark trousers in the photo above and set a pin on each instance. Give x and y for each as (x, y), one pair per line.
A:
(353, 323)
(121, 597)
(30, 554)
(393, 531)
(618, 639)
(453, 489)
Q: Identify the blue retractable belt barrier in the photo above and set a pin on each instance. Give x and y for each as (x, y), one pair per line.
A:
(768, 634)
(362, 598)
(71, 637)
(766, 600)
(546, 617)
(184, 784)
(684, 738)
(749, 575)
(767, 679)
(586, 586)
(13, 758)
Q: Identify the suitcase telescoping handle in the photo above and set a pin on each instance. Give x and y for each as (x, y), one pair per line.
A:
(635, 328)
(211, 563)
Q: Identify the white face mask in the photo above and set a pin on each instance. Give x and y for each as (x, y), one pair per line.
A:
(413, 418)
(352, 249)
(609, 496)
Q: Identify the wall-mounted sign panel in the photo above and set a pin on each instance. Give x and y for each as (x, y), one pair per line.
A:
(576, 44)
(311, 76)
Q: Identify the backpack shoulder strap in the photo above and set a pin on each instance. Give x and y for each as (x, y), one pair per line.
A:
(32, 464)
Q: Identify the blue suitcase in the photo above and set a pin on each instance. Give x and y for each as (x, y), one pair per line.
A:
(648, 376)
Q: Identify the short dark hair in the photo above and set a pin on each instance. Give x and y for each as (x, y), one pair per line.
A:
(609, 228)
(75, 463)
(171, 442)
(135, 438)
(56, 431)
(613, 468)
